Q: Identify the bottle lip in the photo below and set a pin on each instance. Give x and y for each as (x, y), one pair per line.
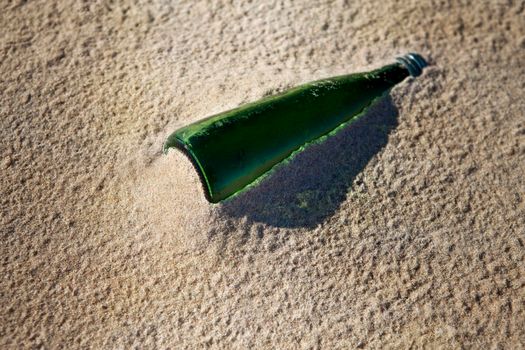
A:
(413, 62)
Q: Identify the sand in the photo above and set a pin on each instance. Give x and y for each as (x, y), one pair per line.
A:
(406, 230)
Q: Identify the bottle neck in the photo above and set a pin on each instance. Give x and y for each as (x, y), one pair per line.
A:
(413, 62)
(391, 74)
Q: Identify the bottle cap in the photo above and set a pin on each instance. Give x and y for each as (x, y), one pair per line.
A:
(413, 62)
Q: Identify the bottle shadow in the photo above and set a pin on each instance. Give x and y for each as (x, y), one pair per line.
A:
(314, 183)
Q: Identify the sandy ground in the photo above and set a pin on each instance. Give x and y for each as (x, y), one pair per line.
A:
(404, 230)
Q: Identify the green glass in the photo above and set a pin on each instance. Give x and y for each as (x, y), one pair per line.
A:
(232, 149)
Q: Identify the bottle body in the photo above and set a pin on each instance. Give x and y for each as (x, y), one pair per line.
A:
(232, 149)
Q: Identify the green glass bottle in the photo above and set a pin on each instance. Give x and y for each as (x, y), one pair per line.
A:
(232, 149)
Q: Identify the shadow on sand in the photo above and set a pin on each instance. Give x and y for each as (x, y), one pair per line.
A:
(312, 186)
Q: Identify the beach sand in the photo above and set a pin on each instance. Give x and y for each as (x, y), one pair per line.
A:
(405, 230)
